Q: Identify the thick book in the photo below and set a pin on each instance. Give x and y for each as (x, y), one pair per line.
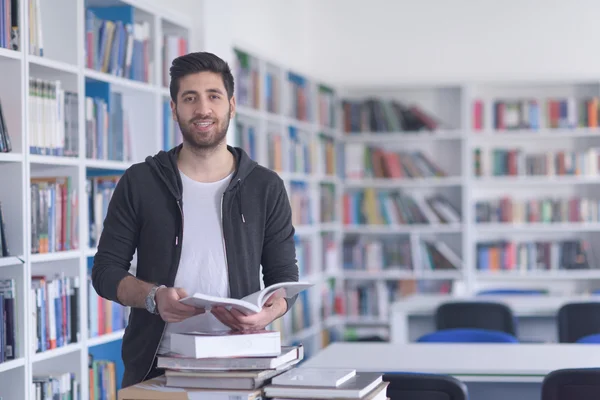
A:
(226, 344)
(242, 380)
(156, 389)
(176, 361)
(250, 304)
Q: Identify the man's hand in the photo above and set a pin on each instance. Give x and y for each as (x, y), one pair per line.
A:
(274, 308)
(169, 307)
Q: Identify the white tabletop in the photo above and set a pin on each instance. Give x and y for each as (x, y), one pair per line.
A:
(468, 362)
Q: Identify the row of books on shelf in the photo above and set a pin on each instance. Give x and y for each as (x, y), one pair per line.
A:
(301, 93)
(9, 24)
(53, 119)
(8, 322)
(116, 44)
(99, 191)
(104, 316)
(378, 115)
(540, 210)
(534, 113)
(247, 80)
(542, 255)
(54, 317)
(388, 207)
(107, 131)
(54, 215)
(102, 383)
(518, 162)
(385, 253)
(56, 386)
(363, 161)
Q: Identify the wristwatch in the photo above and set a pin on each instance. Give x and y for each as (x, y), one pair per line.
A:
(151, 300)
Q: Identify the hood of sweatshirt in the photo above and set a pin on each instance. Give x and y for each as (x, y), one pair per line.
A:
(164, 164)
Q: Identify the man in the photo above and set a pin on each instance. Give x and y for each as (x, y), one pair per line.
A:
(203, 217)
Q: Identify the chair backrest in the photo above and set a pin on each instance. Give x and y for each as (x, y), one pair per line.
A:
(576, 320)
(488, 315)
(467, 335)
(416, 386)
(572, 384)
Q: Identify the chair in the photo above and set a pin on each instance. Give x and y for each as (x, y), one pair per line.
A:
(577, 320)
(475, 314)
(467, 335)
(572, 384)
(417, 386)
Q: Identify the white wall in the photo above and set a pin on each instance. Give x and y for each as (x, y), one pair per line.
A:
(382, 41)
(353, 42)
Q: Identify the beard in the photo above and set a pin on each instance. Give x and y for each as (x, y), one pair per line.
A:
(204, 141)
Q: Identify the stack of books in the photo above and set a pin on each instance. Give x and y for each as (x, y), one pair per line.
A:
(218, 365)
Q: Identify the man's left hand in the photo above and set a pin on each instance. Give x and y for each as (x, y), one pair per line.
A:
(274, 308)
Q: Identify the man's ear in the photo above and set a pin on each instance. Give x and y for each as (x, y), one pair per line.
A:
(232, 106)
(173, 111)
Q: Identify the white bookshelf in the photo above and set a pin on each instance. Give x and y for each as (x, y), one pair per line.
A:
(452, 147)
(268, 123)
(63, 32)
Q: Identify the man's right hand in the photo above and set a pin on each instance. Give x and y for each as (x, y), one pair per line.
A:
(169, 307)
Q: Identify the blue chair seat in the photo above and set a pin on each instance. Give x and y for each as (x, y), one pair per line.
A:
(590, 339)
(467, 335)
(420, 386)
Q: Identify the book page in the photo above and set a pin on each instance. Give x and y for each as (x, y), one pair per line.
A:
(291, 289)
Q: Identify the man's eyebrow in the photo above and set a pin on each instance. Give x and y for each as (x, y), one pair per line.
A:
(214, 90)
(185, 93)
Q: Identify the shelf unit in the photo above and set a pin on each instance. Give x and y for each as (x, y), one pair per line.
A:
(452, 146)
(292, 144)
(64, 59)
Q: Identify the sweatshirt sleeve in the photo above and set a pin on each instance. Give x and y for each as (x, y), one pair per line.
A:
(118, 242)
(279, 249)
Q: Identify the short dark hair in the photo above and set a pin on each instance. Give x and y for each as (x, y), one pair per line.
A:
(199, 62)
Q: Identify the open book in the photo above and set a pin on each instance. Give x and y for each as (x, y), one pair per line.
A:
(250, 304)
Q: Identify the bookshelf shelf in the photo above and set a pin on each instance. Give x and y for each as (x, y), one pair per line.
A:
(50, 161)
(107, 164)
(10, 261)
(535, 276)
(537, 227)
(11, 54)
(57, 352)
(404, 229)
(54, 160)
(12, 364)
(529, 181)
(10, 157)
(106, 338)
(56, 256)
(402, 137)
(52, 64)
(120, 83)
(389, 183)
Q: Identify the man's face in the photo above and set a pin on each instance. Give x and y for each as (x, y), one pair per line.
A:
(203, 110)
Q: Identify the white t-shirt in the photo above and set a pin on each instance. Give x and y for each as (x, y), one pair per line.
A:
(203, 267)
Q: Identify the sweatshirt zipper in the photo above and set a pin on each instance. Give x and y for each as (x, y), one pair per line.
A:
(178, 258)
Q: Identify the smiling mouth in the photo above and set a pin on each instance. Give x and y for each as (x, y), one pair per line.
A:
(203, 124)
